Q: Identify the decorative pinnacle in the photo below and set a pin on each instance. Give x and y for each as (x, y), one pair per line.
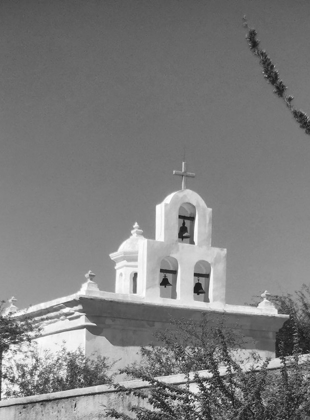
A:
(90, 275)
(265, 305)
(11, 309)
(12, 301)
(90, 285)
(136, 230)
(265, 295)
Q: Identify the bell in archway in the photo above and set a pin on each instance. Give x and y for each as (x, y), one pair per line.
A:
(183, 232)
(165, 282)
(198, 290)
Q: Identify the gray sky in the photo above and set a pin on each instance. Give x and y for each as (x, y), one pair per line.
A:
(99, 98)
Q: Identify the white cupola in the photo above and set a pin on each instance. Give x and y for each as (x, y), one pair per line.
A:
(126, 259)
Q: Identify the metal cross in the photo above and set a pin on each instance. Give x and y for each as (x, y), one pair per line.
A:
(184, 175)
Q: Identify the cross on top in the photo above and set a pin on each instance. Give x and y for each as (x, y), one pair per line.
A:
(184, 175)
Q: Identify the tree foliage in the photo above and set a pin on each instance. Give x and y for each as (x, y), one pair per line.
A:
(297, 306)
(186, 347)
(231, 386)
(271, 74)
(14, 333)
(33, 373)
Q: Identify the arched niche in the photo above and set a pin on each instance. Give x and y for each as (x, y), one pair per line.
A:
(134, 283)
(186, 223)
(202, 273)
(168, 271)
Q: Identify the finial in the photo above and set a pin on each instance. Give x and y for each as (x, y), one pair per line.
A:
(12, 300)
(90, 285)
(12, 308)
(266, 305)
(136, 230)
(265, 295)
(90, 275)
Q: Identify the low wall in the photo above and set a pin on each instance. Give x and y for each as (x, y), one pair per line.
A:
(86, 403)
(76, 404)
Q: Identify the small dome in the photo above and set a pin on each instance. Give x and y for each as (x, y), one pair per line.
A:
(132, 244)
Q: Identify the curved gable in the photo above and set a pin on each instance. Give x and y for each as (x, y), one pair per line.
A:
(167, 217)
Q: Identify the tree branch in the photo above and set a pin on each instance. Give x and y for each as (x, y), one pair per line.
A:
(272, 76)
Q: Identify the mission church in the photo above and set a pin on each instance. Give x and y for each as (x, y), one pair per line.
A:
(179, 274)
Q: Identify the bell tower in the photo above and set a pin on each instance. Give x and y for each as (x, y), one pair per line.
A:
(181, 259)
(179, 267)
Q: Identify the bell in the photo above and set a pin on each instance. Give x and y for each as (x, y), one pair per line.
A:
(165, 282)
(183, 232)
(198, 288)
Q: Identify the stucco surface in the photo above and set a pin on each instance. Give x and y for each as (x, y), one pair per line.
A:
(117, 328)
(88, 403)
(117, 324)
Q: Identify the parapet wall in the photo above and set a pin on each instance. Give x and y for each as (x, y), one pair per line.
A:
(86, 403)
(77, 404)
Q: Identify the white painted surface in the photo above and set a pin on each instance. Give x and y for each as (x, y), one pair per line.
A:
(117, 324)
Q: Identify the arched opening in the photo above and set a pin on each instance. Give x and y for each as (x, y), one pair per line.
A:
(168, 275)
(186, 223)
(201, 281)
(134, 283)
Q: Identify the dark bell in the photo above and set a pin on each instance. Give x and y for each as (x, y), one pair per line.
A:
(183, 232)
(165, 281)
(198, 288)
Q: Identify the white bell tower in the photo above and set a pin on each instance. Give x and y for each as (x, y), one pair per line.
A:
(179, 267)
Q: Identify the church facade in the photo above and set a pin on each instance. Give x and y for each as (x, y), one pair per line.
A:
(179, 274)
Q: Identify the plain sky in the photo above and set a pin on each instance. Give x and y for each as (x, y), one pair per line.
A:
(98, 100)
